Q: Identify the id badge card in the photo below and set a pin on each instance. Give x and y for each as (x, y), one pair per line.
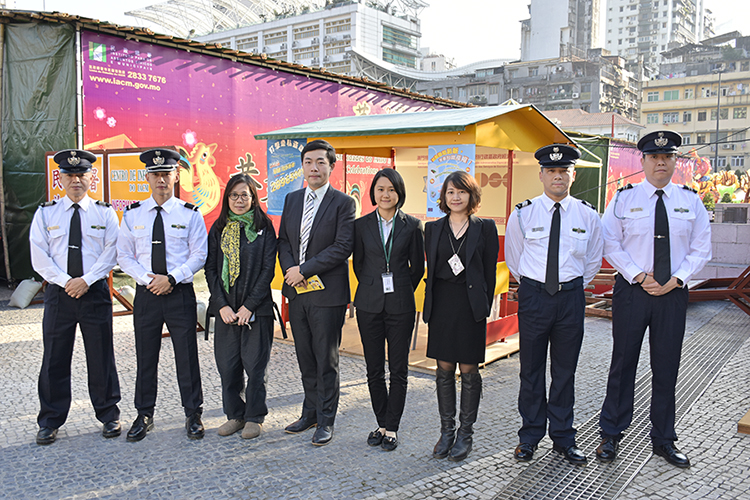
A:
(387, 282)
(456, 264)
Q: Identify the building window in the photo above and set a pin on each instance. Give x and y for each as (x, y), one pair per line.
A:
(686, 139)
(738, 161)
(436, 93)
(449, 93)
(494, 89)
(671, 117)
(398, 37)
(688, 93)
(701, 116)
(653, 96)
(338, 26)
(462, 93)
(721, 163)
(534, 71)
(671, 95)
(700, 139)
(687, 116)
(740, 113)
(723, 114)
(652, 118)
(399, 58)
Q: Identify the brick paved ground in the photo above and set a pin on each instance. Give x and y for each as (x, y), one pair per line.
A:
(82, 464)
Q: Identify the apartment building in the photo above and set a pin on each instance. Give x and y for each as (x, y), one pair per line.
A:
(558, 28)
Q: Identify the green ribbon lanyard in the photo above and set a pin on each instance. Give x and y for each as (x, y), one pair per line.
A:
(387, 251)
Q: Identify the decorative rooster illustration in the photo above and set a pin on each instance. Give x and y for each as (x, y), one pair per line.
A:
(200, 180)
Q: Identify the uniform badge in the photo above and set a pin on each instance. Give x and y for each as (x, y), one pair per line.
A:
(98, 227)
(636, 209)
(158, 160)
(138, 227)
(73, 160)
(661, 141)
(179, 226)
(536, 229)
(556, 155)
(52, 228)
(682, 210)
(579, 230)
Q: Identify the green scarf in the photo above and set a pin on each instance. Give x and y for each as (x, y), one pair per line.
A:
(230, 245)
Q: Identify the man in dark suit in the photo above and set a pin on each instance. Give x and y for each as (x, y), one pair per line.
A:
(315, 240)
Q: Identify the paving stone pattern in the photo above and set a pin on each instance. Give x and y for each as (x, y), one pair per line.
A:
(83, 465)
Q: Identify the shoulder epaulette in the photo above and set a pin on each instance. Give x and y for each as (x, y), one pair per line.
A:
(592, 207)
(48, 203)
(688, 188)
(191, 206)
(627, 186)
(133, 205)
(524, 203)
(103, 203)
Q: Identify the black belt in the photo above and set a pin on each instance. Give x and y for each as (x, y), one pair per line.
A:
(568, 285)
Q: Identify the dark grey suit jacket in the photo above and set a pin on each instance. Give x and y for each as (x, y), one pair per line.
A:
(406, 263)
(329, 248)
(482, 248)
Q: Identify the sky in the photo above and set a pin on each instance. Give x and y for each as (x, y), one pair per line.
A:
(466, 31)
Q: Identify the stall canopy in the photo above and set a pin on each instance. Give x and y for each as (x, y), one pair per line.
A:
(513, 127)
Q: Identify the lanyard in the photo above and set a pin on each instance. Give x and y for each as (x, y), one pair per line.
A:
(451, 236)
(386, 251)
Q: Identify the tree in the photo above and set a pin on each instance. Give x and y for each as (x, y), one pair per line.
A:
(708, 201)
(727, 198)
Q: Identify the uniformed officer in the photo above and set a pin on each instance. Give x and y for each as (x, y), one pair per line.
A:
(162, 244)
(73, 247)
(657, 235)
(553, 247)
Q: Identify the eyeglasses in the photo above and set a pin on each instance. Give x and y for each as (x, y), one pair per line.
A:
(235, 196)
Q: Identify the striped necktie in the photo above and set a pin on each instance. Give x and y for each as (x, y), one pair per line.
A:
(307, 222)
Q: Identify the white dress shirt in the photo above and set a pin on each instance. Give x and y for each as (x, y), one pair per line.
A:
(186, 240)
(49, 240)
(527, 240)
(628, 226)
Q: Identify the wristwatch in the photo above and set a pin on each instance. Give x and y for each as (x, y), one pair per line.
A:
(679, 282)
(171, 279)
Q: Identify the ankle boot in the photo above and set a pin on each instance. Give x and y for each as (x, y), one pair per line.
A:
(471, 391)
(446, 396)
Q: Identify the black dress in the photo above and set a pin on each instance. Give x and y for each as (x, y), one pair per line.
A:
(453, 334)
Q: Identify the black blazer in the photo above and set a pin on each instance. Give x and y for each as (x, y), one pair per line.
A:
(482, 248)
(256, 273)
(329, 248)
(406, 264)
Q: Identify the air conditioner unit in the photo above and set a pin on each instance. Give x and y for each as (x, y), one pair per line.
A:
(283, 46)
(347, 56)
(326, 59)
(575, 95)
(327, 39)
(316, 41)
(315, 60)
(295, 43)
(347, 37)
(727, 146)
(254, 51)
(265, 50)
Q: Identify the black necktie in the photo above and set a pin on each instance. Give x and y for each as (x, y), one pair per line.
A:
(552, 281)
(75, 256)
(158, 247)
(662, 261)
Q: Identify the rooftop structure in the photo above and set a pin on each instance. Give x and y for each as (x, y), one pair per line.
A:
(559, 28)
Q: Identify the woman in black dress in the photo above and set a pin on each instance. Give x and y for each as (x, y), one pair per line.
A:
(389, 262)
(239, 270)
(462, 252)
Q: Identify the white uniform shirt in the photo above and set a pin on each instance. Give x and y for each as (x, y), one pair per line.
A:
(185, 235)
(527, 240)
(49, 240)
(628, 226)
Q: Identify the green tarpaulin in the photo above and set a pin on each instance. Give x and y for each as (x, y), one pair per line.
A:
(39, 115)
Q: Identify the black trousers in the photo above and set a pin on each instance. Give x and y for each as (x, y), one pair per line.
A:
(634, 310)
(556, 320)
(374, 330)
(178, 311)
(93, 312)
(317, 337)
(239, 350)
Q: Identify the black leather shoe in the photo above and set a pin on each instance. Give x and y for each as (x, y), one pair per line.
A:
(112, 429)
(323, 435)
(194, 426)
(141, 425)
(300, 425)
(375, 438)
(389, 443)
(673, 455)
(572, 454)
(46, 435)
(524, 452)
(607, 449)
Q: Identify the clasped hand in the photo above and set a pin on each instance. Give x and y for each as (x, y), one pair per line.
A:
(76, 287)
(293, 277)
(652, 287)
(159, 285)
(241, 317)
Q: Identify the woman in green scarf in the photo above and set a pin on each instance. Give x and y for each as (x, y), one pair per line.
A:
(239, 270)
